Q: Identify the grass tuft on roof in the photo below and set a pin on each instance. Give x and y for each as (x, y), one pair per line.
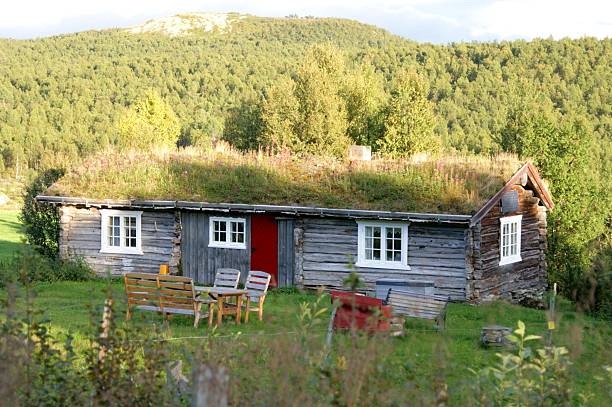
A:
(453, 184)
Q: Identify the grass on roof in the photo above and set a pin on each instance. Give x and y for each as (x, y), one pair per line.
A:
(457, 184)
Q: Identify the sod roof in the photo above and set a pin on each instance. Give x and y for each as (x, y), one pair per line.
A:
(457, 184)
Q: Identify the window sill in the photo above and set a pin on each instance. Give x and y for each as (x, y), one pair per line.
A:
(387, 266)
(510, 260)
(227, 246)
(121, 251)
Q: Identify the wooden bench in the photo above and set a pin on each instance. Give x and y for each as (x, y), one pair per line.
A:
(415, 305)
(165, 294)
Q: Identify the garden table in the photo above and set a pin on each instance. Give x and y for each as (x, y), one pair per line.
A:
(220, 293)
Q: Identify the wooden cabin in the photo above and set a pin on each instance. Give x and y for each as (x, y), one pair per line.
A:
(497, 251)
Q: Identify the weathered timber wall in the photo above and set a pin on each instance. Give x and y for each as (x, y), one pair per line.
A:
(201, 262)
(286, 252)
(521, 282)
(80, 234)
(326, 250)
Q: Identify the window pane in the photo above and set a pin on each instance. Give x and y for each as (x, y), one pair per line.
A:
(376, 242)
(114, 231)
(239, 238)
(129, 223)
(510, 239)
(220, 229)
(373, 242)
(393, 244)
(237, 229)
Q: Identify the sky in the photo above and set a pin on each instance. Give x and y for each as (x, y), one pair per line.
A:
(437, 21)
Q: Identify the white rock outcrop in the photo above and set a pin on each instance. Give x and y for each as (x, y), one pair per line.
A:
(183, 24)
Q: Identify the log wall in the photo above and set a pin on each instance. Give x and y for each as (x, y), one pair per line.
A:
(80, 234)
(326, 251)
(201, 262)
(522, 282)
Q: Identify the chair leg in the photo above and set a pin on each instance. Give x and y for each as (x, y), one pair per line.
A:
(261, 302)
(196, 319)
(247, 309)
(211, 312)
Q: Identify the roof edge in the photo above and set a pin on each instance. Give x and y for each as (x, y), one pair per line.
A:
(284, 209)
(527, 169)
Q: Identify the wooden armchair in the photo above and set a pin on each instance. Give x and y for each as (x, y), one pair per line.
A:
(257, 285)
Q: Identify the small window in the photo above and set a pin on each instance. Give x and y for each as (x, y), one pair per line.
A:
(120, 232)
(510, 240)
(382, 245)
(227, 232)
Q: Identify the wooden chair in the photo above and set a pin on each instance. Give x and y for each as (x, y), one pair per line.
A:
(165, 294)
(177, 296)
(257, 283)
(227, 278)
(415, 305)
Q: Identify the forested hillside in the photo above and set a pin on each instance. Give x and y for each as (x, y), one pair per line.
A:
(60, 97)
(314, 85)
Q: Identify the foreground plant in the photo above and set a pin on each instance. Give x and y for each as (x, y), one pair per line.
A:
(526, 377)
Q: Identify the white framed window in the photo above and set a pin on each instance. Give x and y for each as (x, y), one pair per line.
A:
(382, 245)
(510, 239)
(121, 232)
(227, 232)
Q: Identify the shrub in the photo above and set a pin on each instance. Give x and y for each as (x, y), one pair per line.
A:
(114, 369)
(595, 290)
(526, 377)
(41, 220)
(30, 267)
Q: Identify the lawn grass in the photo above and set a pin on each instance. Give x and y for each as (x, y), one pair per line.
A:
(423, 353)
(10, 233)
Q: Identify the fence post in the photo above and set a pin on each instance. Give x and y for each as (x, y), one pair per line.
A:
(210, 386)
(551, 318)
(106, 321)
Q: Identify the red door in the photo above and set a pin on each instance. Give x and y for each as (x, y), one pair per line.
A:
(264, 245)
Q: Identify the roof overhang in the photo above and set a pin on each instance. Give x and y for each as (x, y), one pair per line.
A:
(281, 209)
(527, 175)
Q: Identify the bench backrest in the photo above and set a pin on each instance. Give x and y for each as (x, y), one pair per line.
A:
(416, 305)
(257, 283)
(141, 289)
(176, 293)
(162, 292)
(227, 278)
